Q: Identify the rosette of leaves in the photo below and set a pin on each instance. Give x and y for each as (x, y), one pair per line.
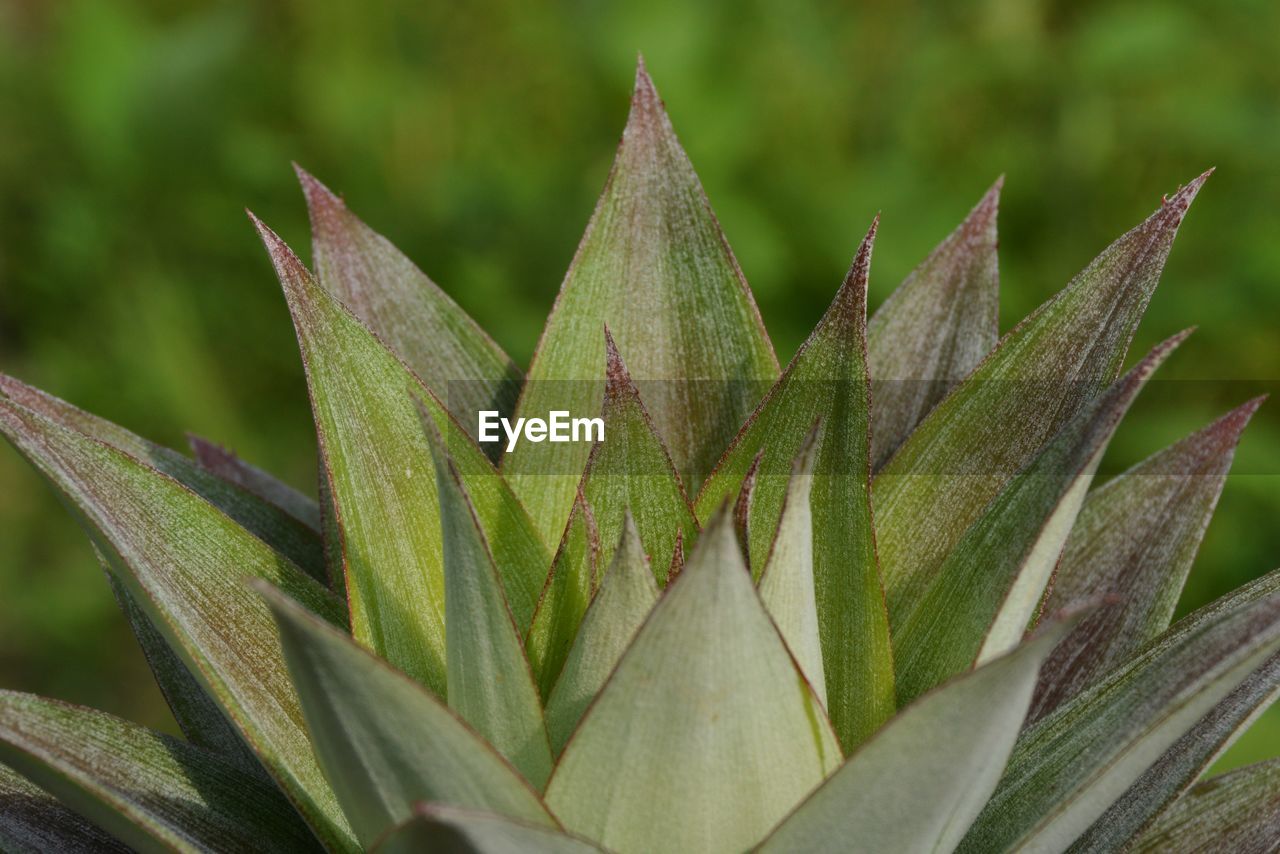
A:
(695, 635)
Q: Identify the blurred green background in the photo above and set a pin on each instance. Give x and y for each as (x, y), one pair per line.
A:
(477, 136)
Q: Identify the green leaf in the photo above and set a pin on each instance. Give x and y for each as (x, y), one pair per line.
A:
(34, 822)
(564, 598)
(386, 742)
(1184, 762)
(184, 563)
(1070, 766)
(653, 265)
(991, 426)
(935, 328)
(449, 829)
(1237, 811)
(283, 532)
(981, 599)
(224, 463)
(786, 584)
(631, 471)
(490, 683)
(417, 321)
(381, 479)
(919, 782)
(151, 791)
(705, 731)
(198, 714)
(1133, 543)
(626, 596)
(827, 381)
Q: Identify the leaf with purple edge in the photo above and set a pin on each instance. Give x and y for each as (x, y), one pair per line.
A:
(655, 266)
(630, 470)
(1134, 543)
(184, 563)
(381, 477)
(979, 602)
(935, 328)
(969, 447)
(1073, 764)
(1238, 811)
(827, 381)
(409, 313)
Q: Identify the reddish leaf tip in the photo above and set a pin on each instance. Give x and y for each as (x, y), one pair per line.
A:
(617, 377)
(317, 194)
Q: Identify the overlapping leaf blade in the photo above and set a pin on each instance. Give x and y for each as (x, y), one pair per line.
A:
(983, 596)
(225, 464)
(626, 596)
(786, 584)
(1134, 542)
(34, 822)
(1069, 767)
(565, 597)
(654, 265)
(417, 320)
(993, 424)
(380, 479)
(384, 741)
(1238, 811)
(149, 790)
(489, 681)
(935, 328)
(631, 470)
(269, 523)
(440, 828)
(185, 563)
(1183, 763)
(918, 783)
(827, 381)
(716, 730)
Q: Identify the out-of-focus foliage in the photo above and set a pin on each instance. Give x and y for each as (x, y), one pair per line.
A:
(477, 137)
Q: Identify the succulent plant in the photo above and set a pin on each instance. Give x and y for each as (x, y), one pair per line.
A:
(694, 634)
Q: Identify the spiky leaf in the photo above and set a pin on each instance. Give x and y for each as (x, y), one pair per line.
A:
(417, 320)
(278, 529)
(1183, 763)
(918, 783)
(935, 328)
(490, 684)
(653, 265)
(1134, 543)
(149, 790)
(986, 592)
(384, 741)
(631, 470)
(716, 730)
(381, 479)
(1069, 767)
(626, 596)
(185, 563)
(992, 425)
(827, 381)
